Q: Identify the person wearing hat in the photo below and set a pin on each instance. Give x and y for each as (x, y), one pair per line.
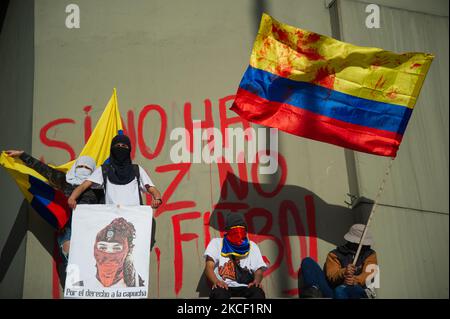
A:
(234, 264)
(340, 278)
(121, 180)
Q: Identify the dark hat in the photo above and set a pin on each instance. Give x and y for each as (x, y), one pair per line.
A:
(119, 230)
(121, 138)
(235, 219)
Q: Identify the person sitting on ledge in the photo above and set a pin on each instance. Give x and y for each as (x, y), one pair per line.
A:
(234, 265)
(340, 278)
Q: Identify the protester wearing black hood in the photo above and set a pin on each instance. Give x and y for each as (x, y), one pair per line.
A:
(121, 180)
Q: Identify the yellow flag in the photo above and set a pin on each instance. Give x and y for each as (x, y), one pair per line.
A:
(108, 126)
(49, 203)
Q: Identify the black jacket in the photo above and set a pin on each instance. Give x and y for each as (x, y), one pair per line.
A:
(57, 180)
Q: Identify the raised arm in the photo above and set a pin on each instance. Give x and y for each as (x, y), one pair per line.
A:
(77, 192)
(55, 177)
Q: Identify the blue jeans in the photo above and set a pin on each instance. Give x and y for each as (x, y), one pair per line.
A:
(313, 275)
(349, 292)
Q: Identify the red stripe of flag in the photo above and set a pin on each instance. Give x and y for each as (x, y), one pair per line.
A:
(307, 124)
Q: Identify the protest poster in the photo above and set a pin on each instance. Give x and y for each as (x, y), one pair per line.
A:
(109, 252)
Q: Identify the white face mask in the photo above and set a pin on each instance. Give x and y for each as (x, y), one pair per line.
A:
(80, 170)
(82, 173)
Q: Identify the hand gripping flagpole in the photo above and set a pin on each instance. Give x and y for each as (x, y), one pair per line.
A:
(374, 207)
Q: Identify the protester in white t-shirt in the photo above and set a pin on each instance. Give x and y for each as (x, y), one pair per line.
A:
(234, 265)
(124, 180)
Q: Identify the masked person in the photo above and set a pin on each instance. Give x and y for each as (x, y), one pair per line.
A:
(340, 278)
(66, 183)
(234, 265)
(113, 254)
(122, 180)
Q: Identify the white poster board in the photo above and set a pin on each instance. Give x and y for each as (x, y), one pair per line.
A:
(109, 252)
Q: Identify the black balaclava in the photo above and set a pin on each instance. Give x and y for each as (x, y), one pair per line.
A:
(121, 169)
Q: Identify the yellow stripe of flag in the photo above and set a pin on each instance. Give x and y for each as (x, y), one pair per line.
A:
(364, 72)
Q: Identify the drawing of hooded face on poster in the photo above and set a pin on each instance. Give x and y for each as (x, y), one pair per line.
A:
(113, 253)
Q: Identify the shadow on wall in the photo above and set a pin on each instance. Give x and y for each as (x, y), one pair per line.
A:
(3, 8)
(28, 220)
(276, 216)
(282, 216)
(14, 240)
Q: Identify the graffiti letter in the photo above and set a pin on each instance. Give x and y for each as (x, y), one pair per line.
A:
(145, 150)
(178, 239)
(87, 123)
(312, 234)
(53, 143)
(263, 234)
(281, 182)
(227, 121)
(183, 168)
(130, 131)
(207, 234)
(238, 184)
(286, 207)
(188, 122)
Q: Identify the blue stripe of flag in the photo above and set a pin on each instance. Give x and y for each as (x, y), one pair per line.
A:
(43, 194)
(326, 102)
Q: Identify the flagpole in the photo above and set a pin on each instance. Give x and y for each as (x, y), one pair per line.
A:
(375, 204)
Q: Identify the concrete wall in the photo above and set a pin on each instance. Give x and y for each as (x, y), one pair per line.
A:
(16, 109)
(171, 54)
(170, 62)
(411, 223)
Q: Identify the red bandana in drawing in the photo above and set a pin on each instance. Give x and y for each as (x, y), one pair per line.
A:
(110, 263)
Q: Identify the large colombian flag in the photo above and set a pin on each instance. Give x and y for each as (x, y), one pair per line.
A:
(317, 87)
(50, 203)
